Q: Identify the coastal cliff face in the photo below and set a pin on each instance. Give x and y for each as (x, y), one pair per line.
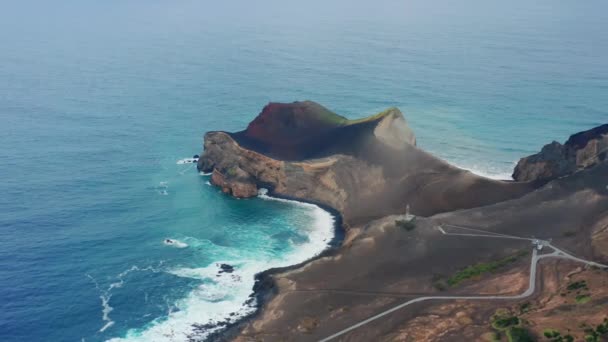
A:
(365, 168)
(581, 151)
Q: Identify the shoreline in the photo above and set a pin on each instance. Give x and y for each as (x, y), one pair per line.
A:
(264, 288)
(261, 288)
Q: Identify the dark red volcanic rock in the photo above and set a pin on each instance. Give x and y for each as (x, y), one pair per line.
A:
(307, 130)
(298, 130)
(290, 123)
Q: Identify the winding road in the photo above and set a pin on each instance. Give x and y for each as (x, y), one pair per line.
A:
(557, 253)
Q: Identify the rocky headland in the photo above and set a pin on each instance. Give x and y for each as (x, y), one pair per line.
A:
(366, 168)
(371, 171)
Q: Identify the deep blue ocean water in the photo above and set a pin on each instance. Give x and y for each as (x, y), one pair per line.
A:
(99, 99)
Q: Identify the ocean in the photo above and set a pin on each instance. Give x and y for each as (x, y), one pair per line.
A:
(99, 100)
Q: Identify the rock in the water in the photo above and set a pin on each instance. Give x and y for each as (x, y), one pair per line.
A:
(581, 151)
(226, 268)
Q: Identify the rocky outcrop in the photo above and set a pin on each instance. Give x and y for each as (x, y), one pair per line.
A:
(237, 183)
(581, 151)
(365, 168)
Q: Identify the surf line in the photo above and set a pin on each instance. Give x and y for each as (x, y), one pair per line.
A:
(105, 297)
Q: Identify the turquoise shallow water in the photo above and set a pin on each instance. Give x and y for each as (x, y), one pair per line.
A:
(98, 100)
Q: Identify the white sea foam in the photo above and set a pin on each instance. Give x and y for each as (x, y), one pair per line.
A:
(488, 172)
(187, 161)
(205, 173)
(106, 295)
(175, 243)
(109, 324)
(229, 291)
(319, 236)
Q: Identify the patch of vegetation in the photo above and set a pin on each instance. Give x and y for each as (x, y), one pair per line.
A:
(555, 336)
(502, 323)
(519, 334)
(373, 117)
(583, 298)
(577, 285)
(591, 334)
(408, 225)
(591, 338)
(602, 329)
(598, 334)
(482, 268)
(559, 338)
(551, 333)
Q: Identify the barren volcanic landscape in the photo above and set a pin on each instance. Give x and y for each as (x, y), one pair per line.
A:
(270, 170)
(430, 252)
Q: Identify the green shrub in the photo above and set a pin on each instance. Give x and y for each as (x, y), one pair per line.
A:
(583, 298)
(551, 333)
(482, 268)
(577, 285)
(591, 338)
(517, 334)
(502, 323)
(602, 329)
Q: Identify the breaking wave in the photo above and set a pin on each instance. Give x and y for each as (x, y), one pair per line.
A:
(224, 295)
